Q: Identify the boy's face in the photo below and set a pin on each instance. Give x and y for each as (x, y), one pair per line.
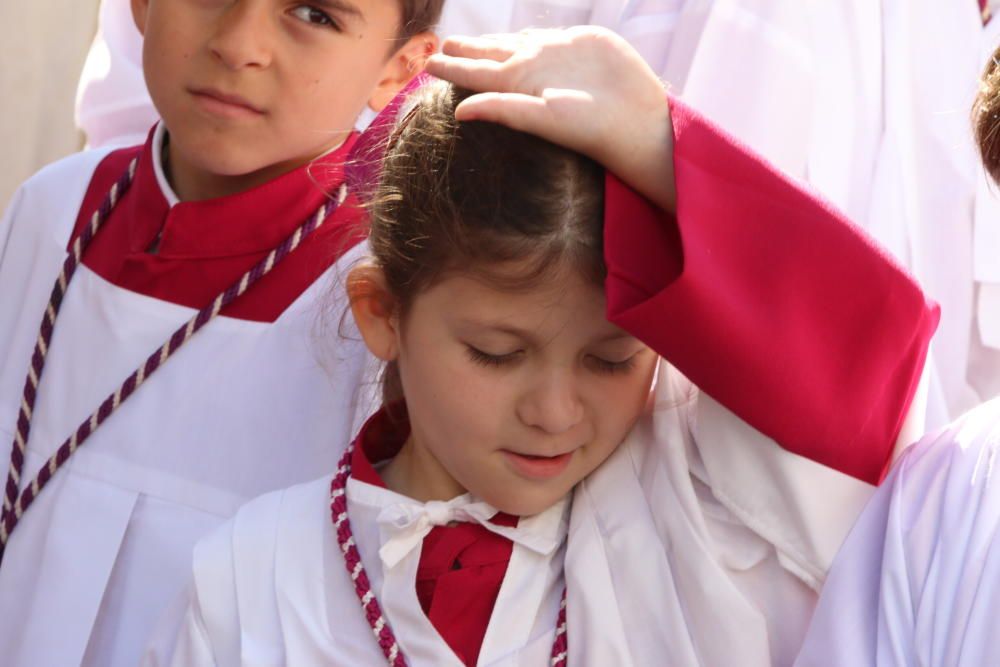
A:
(253, 88)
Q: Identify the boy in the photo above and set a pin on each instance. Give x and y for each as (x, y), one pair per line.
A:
(258, 98)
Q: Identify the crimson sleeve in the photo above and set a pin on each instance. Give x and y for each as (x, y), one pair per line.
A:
(770, 301)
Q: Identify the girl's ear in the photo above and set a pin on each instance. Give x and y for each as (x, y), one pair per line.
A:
(407, 62)
(139, 9)
(374, 311)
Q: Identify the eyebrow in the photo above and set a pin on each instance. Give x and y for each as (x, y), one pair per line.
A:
(342, 7)
(532, 337)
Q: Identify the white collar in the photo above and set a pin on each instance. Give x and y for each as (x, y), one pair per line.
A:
(159, 141)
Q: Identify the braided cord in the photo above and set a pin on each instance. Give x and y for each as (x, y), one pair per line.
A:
(37, 365)
(362, 586)
(20, 504)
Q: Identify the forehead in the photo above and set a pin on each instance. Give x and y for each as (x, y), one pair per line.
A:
(565, 305)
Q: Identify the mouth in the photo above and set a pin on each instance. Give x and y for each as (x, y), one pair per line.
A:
(538, 467)
(223, 104)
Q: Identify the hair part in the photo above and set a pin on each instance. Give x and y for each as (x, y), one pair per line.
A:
(482, 199)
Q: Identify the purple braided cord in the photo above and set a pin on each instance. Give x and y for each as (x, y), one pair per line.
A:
(362, 587)
(560, 647)
(355, 569)
(69, 267)
(13, 514)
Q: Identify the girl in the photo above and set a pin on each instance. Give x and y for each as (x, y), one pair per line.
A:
(916, 582)
(522, 495)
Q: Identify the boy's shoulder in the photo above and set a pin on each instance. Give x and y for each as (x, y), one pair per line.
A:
(72, 171)
(55, 193)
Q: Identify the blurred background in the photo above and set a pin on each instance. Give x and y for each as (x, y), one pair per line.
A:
(43, 46)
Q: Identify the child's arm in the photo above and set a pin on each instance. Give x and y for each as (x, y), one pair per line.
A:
(764, 296)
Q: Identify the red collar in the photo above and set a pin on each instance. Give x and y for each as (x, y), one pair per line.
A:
(380, 439)
(246, 223)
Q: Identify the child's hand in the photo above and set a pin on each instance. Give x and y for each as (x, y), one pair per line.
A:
(584, 88)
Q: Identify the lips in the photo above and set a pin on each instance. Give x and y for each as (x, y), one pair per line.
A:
(538, 467)
(223, 103)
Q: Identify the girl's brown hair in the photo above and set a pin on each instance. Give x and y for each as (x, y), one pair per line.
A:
(419, 16)
(986, 117)
(479, 198)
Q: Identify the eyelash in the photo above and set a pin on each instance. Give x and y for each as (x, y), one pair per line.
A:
(600, 365)
(490, 360)
(324, 19)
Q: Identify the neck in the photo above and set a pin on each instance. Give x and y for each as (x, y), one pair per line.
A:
(193, 183)
(415, 473)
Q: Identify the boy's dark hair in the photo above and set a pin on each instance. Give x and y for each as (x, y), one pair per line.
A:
(479, 198)
(986, 117)
(418, 16)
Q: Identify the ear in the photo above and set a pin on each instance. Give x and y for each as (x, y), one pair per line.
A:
(405, 63)
(139, 10)
(374, 311)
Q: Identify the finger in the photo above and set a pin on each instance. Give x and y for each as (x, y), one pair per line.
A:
(477, 75)
(478, 47)
(525, 113)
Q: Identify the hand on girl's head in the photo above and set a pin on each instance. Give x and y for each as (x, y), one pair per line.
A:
(584, 88)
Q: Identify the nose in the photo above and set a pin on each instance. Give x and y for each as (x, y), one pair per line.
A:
(552, 405)
(242, 36)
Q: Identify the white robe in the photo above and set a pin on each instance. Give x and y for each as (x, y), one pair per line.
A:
(918, 580)
(90, 564)
(699, 542)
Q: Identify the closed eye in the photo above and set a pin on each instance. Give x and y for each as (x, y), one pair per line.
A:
(608, 367)
(492, 360)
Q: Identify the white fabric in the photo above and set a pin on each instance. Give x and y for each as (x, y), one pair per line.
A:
(699, 542)
(918, 580)
(406, 524)
(271, 588)
(103, 549)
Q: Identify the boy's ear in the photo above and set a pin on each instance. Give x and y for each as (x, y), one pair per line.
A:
(374, 311)
(139, 9)
(407, 62)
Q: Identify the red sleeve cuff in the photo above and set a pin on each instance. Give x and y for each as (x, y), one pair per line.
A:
(770, 301)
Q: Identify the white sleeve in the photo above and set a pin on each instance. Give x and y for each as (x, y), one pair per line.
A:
(918, 580)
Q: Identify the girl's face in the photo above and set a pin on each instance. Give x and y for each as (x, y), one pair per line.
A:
(514, 396)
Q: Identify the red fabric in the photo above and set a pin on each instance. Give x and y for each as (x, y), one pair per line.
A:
(206, 246)
(461, 567)
(770, 301)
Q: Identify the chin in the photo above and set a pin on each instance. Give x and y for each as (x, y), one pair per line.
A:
(527, 504)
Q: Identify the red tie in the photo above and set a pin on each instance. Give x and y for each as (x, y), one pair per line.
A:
(984, 11)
